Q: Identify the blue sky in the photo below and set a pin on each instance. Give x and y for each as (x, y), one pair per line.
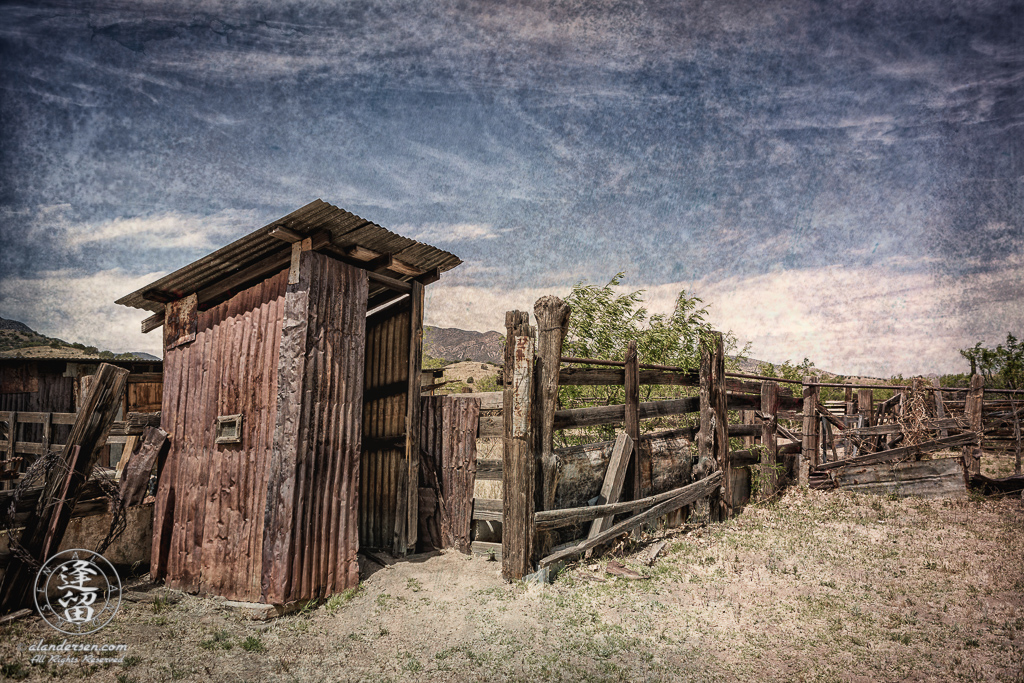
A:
(843, 181)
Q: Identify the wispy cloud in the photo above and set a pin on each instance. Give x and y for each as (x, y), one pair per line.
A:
(79, 307)
(169, 230)
(449, 232)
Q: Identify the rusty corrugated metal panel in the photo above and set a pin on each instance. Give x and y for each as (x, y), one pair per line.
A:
(209, 514)
(346, 229)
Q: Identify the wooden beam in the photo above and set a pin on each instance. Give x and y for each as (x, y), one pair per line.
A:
(377, 258)
(519, 467)
(599, 415)
(391, 283)
(614, 478)
(687, 495)
(285, 234)
(556, 519)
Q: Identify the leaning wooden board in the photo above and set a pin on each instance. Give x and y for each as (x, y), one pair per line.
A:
(943, 478)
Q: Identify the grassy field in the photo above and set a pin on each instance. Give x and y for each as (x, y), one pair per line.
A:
(815, 587)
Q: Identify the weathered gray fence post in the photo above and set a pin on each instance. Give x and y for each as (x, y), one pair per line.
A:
(713, 439)
(940, 408)
(519, 471)
(972, 411)
(809, 453)
(641, 465)
(552, 323)
(769, 440)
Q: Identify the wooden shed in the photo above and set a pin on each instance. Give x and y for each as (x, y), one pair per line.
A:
(292, 362)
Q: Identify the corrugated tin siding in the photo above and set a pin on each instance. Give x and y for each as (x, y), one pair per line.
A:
(383, 470)
(208, 520)
(311, 534)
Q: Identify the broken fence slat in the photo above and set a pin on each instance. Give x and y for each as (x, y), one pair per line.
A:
(555, 519)
(614, 478)
(903, 452)
(696, 491)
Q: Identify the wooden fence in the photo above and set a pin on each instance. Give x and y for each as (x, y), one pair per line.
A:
(786, 436)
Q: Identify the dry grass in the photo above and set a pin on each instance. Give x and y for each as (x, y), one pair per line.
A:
(816, 587)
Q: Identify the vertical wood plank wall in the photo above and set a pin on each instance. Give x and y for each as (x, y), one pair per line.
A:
(310, 536)
(209, 511)
(448, 439)
(383, 470)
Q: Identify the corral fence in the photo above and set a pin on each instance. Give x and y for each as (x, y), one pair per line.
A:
(561, 503)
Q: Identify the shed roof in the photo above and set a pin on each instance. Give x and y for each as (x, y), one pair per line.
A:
(349, 234)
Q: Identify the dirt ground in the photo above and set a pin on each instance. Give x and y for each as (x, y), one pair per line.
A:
(817, 586)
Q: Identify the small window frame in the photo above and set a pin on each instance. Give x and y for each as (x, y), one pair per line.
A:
(229, 429)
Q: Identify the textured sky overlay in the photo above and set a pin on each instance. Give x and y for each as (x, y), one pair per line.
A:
(842, 181)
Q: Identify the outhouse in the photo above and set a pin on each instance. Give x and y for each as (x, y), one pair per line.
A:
(292, 362)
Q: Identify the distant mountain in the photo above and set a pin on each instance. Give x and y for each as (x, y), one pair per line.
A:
(18, 340)
(452, 344)
(15, 326)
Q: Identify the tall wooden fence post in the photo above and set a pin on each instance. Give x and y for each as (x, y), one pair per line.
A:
(706, 463)
(972, 411)
(769, 440)
(552, 323)
(720, 401)
(865, 405)
(809, 451)
(641, 465)
(713, 438)
(940, 408)
(519, 467)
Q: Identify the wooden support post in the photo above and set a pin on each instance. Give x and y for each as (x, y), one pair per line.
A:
(641, 466)
(769, 479)
(519, 478)
(44, 529)
(866, 405)
(849, 401)
(940, 408)
(972, 411)
(722, 454)
(47, 433)
(1017, 439)
(552, 323)
(809, 453)
(614, 478)
(712, 439)
(412, 418)
(12, 435)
